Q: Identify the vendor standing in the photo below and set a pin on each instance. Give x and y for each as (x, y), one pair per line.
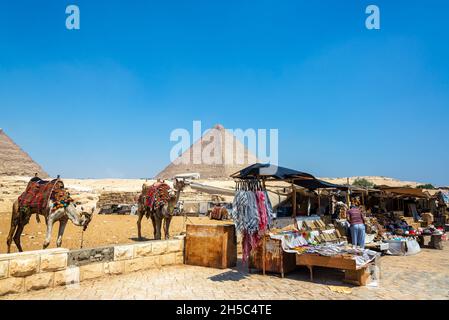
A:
(357, 222)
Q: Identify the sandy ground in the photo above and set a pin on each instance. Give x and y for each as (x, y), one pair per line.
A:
(103, 230)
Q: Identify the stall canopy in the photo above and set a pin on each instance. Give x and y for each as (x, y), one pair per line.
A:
(406, 192)
(301, 179)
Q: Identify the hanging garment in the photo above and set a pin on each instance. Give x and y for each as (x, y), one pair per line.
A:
(270, 212)
(262, 210)
(244, 212)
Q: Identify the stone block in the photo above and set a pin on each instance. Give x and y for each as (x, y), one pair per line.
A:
(168, 259)
(22, 267)
(134, 265)
(91, 271)
(114, 267)
(152, 262)
(4, 269)
(11, 285)
(142, 250)
(179, 258)
(68, 276)
(53, 262)
(159, 247)
(39, 281)
(87, 256)
(175, 245)
(123, 252)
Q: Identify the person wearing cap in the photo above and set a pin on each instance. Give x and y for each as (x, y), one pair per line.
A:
(357, 222)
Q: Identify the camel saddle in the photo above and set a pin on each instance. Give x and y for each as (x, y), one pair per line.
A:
(157, 195)
(38, 193)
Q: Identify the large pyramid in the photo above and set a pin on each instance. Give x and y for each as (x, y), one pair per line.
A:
(15, 161)
(217, 154)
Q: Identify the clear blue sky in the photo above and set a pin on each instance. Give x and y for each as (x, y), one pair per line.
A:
(102, 101)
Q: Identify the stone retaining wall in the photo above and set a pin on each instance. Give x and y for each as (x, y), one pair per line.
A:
(34, 270)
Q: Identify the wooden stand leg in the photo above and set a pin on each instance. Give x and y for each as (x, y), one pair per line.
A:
(311, 272)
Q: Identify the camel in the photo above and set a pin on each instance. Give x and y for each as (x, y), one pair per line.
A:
(164, 213)
(21, 217)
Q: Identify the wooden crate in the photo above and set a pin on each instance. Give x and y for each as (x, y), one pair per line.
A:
(211, 245)
(276, 259)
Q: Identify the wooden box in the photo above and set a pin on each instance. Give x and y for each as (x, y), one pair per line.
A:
(211, 245)
(276, 259)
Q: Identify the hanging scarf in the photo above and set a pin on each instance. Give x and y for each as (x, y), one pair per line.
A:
(262, 210)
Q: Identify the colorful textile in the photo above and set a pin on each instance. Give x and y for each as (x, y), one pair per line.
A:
(157, 195)
(262, 210)
(38, 194)
(61, 199)
(252, 214)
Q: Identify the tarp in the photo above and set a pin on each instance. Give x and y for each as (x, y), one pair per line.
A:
(411, 192)
(301, 179)
(318, 184)
(272, 172)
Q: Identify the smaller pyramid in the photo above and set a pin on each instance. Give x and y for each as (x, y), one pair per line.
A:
(16, 162)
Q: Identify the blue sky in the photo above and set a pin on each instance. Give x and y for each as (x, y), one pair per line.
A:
(102, 101)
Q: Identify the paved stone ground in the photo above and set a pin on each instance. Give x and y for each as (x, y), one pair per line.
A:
(423, 276)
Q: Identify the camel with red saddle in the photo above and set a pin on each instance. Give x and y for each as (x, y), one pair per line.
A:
(159, 203)
(51, 200)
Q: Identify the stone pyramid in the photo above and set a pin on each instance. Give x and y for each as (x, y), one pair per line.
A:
(15, 161)
(225, 152)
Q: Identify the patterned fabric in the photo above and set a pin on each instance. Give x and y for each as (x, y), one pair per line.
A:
(38, 194)
(262, 210)
(251, 214)
(157, 195)
(270, 212)
(61, 199)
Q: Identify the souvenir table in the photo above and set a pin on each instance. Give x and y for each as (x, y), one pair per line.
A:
(317, 245)
(353, 274)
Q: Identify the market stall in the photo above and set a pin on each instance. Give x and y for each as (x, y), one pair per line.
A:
(308, 239)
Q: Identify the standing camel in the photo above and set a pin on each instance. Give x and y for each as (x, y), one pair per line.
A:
(163, 213)
(20, 217)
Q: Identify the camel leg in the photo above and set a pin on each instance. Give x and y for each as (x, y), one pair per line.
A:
(167, 227)
(62, 224)
(12, 229)
(158, 225)
(139, 225)
(10, 235)
(17, 236)
(14, 222)
(49, 229)
(167, 219)
(153, 222)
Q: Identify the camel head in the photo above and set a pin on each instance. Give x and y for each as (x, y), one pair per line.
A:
(87, 215)
(179, 184)
(82, 218)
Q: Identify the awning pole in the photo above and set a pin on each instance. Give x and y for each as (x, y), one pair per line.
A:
(294, 199)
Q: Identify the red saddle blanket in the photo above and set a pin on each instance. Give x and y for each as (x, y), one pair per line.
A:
(157, 195)
(38, 193)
